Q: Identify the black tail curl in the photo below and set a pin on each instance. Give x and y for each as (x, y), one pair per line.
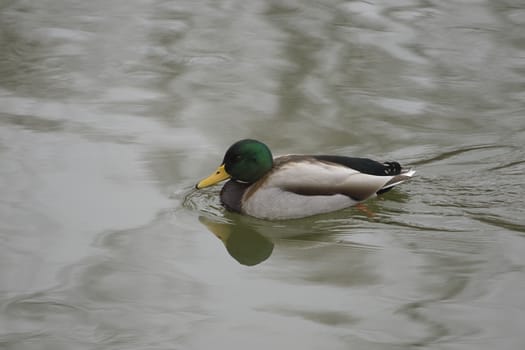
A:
(392, 168)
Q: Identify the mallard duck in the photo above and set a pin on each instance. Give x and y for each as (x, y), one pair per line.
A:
(295, 186)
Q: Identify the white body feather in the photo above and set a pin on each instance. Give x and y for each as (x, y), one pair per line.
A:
(272, 200)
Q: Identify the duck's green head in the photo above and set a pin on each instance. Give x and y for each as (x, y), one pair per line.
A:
(245, 161)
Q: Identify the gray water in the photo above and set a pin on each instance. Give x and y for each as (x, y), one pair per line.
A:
(110, 111)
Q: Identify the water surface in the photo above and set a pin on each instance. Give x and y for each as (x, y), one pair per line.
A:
(111, 111)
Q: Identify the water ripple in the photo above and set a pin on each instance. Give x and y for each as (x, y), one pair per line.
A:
(206, 202)
(459, 151)
(500, 222)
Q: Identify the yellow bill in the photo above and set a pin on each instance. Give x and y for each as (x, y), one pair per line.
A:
(219, 175)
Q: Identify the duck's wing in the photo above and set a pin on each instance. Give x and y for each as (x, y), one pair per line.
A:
(322, 176)
(363, 165)
(372, 167)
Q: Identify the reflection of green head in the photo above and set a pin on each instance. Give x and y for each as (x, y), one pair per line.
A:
(244, 243)
(248, 247)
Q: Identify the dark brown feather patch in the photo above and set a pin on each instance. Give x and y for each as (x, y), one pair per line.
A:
(231, 195)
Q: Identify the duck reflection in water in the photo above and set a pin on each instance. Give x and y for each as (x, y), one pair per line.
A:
(242, 242)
